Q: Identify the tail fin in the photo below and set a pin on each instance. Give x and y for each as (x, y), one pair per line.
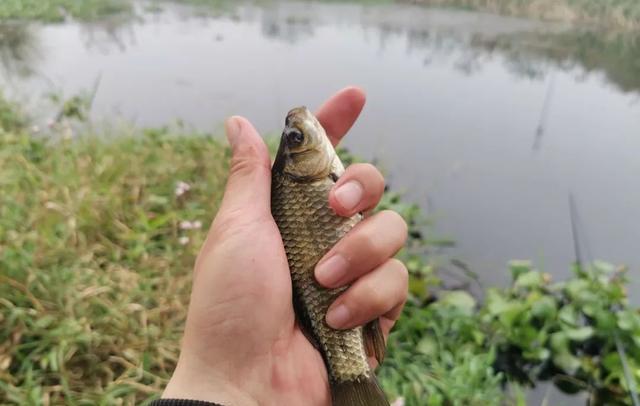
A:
(364, 391)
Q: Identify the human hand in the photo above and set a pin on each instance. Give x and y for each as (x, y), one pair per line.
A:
(241, 344)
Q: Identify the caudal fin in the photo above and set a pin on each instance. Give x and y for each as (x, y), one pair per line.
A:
(360, 392)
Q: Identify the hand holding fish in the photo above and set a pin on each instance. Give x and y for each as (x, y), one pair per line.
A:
(242, 344)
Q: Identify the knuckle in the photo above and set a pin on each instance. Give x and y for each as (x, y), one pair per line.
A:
(249, 157)
(377, 179)
(395, 219)
(401, 272)
(363, 242)
(364, 301)
(366, 167)
(379, 302)
(374, 181)
(245, 164)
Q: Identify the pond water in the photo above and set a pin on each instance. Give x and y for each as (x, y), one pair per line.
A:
(489, 123)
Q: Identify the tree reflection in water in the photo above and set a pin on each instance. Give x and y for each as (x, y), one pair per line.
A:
(19, 49)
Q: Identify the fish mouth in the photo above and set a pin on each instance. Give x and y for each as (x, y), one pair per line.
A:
(299, 153)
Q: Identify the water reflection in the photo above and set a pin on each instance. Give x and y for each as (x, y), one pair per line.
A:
(19, 49)
(114, 33)
(615, 54)
(469, 40)
(290, 29)
(528, 47)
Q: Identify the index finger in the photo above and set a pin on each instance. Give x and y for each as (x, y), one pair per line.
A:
(338, 114)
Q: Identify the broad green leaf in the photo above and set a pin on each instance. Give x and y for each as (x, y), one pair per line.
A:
(629, 320)
(567, 362)
(559, 342)
(568, 315)
(519, 267)
(459, 299)
(604, 267)
(580, 334)
(605, 321)
(539, 354)
(545, 308)
(531, 279)
(496, 303)
(612, 362)
(575, 287)
(428, 346)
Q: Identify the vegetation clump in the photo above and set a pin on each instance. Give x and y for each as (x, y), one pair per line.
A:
(59, 10)
(449, 348)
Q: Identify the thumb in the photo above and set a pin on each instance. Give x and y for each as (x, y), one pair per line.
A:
(248, 189)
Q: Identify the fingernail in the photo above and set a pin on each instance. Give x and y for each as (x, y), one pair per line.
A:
(232, 127)
(330, 272)
(339, 316)
(349, 194)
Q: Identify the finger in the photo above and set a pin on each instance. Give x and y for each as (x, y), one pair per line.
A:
(369, 244)
(249, 184)
(338, 114)
(358, 189)
(375, 295)
(388, 320)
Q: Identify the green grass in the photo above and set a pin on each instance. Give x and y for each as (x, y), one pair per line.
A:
(90, 10)
(94, 281)
(57, 10)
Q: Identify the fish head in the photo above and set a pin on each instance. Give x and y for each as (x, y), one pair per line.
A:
(305, 153)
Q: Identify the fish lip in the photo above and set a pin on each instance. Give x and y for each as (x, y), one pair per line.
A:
(306, 151)
(285, 155)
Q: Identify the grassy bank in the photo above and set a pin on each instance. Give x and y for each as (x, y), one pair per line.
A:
(95, 270)
(619, 14)
(58, 10)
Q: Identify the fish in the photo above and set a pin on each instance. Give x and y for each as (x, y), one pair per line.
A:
(305, 169)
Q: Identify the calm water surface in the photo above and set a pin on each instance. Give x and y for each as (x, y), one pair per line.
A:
(455, 99)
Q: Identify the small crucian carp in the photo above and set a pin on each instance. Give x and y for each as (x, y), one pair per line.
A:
(305, 169)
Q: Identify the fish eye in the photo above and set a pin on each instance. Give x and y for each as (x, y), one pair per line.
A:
(295, 138)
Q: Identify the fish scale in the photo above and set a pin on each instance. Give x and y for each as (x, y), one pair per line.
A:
(309, 229)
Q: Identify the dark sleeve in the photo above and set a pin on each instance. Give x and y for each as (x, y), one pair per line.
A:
(182, 402)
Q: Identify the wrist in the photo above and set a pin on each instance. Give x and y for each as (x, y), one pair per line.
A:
(191, 382)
